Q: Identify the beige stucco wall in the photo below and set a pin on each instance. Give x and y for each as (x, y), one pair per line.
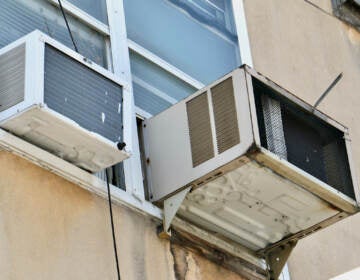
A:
(303, 49)
(53, 229)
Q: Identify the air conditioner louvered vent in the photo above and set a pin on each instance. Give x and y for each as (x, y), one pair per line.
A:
(202, 147)
(226, 123)
(12, 72)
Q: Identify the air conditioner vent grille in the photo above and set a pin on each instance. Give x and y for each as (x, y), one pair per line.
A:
(226, 123)
(83, 95)
(273, 126)
(202, 147)
(12, 77)
(303, 139)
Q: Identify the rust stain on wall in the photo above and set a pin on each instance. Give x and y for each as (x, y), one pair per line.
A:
(191, 266)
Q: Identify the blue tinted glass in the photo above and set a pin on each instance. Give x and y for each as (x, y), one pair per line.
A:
(154, 88)
(193, 35)
(95, 8)
(20, 17)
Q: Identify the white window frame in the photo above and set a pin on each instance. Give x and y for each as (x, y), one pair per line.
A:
(242, 32)
(164, 64)
(121, 67)
(92, 22)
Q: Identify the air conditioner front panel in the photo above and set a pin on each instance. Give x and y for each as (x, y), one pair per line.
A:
(79, 93)
(303, 139)
(64, 138)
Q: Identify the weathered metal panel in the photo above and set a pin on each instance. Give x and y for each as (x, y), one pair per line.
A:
(202, 146)
(12, 77)
(71, 86)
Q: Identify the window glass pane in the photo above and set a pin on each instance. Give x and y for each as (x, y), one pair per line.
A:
(95, 8)
(196, 36)
(20, 17)
(154, 88)
(215, 14)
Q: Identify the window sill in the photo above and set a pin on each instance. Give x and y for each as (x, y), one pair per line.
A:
(74, 174)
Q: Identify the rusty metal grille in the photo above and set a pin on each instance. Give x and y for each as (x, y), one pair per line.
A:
(226, 122)
(202, 147)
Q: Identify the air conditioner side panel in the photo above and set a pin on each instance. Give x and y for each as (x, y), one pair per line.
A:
(169, 151)
(24, 59)
(168, 145)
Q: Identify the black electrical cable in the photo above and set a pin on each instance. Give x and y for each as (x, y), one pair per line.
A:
(112, 224)
(67, 25)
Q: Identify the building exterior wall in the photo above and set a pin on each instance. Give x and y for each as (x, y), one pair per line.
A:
(53, 229)
(303, 47)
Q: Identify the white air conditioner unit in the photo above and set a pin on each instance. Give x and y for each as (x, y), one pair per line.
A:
(61, 102)
(245, 159)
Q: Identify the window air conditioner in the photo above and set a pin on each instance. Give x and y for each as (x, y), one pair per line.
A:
(61, 102)
(249, 161)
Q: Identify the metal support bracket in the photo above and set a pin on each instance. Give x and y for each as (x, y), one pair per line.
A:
(171, 206)
(277, 257)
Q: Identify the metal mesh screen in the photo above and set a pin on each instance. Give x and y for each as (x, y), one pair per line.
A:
(307, 141)
(202, 147)
(335, 156)
(81, 94)
(226, 123)
(273, 126)
(12, 77)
